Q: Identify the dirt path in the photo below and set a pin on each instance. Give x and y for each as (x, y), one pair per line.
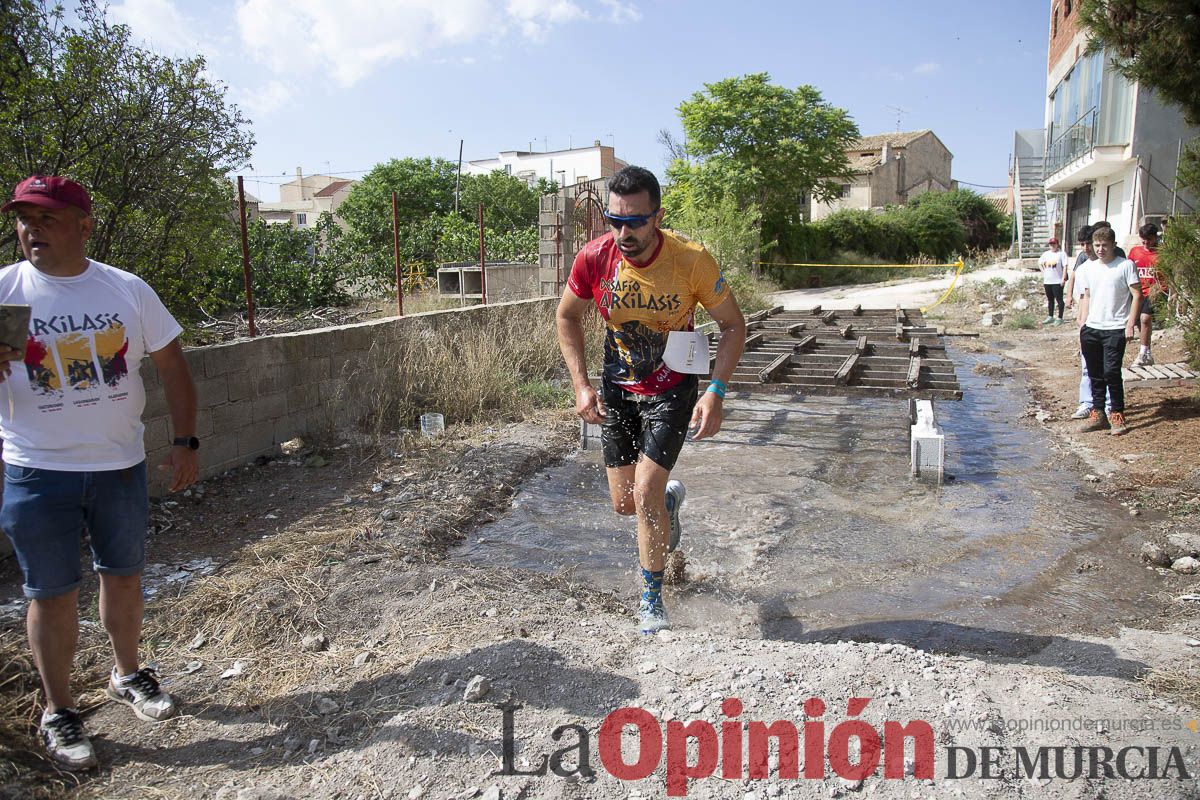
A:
(359, 644)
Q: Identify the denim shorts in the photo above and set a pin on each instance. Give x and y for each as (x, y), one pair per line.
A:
(46, 512)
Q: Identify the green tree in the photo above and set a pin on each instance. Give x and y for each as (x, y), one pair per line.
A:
(290, 267)
(767, 145)
(151, 137)
(985, 226)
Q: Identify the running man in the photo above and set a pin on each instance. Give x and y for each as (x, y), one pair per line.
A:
(646, 283)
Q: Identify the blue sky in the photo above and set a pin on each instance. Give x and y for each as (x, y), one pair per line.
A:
(341, 85)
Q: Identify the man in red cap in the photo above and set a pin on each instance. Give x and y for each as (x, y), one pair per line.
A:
(1054, 266)
(74, 458)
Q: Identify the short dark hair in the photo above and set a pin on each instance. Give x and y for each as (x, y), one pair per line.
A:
(631, 180)
(1085, 234)
(1101, 224)
(1148, 230)
(1104, 232)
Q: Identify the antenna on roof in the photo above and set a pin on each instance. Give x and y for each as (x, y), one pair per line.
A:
(899, 111)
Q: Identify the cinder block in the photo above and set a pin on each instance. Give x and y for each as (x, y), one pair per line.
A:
(222, 359)
(156, 403)
(269, 407)
(301, 397)
(157, 433)
(231, 416)
(268, 379)
(204, 423)
(217, 451)
(255, 440)
(212, 391)
(239, 385)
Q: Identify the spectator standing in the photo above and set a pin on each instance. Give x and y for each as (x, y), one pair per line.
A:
(1054, 267)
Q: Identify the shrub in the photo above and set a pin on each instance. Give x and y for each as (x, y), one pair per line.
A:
(1179, 262)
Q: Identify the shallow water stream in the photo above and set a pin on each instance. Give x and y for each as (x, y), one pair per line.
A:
(802, 523)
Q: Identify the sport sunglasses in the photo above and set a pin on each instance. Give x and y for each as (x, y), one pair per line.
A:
(636, 221)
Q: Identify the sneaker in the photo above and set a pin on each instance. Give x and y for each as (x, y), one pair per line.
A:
(652, 616)
(1058, 321)
(1047, 320)
(1095, 422)
(675, 495)
(141, 693)
(1116, 421)
(65, 739)
(1144, 360)
(1083, 411)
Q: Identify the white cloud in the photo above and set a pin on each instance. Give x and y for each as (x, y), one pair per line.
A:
(350, 39)
(263, 100)
(620, 11)
(927, 68)
(160, 24)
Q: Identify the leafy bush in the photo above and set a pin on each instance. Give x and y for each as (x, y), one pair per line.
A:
(985, 226)
(1179, 262)
(289, 267)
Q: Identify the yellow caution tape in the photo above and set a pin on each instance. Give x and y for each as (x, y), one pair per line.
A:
(858, 266)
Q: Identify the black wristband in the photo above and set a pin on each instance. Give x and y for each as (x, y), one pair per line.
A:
(190, 442)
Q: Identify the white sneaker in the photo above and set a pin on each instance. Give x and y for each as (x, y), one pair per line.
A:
(675, 495)
(65, 739)
(1144, 359)
(141, 693)
(652, 616)
(1083, 411)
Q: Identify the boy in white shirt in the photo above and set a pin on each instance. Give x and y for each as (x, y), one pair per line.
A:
(1054, 266)
(1111, 297)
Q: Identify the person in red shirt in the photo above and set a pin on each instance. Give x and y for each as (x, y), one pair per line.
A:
(1145, 257)
(646, 283)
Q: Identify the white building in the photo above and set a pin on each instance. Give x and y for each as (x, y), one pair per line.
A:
(1111, 147)
(565, 167)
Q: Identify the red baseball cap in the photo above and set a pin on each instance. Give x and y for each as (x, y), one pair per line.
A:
(50, 192)
(1052, 241)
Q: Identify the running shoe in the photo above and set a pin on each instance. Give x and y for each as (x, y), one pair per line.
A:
(1144, 359)
(1048, 320)
(652, 616)
(1083, 411)
(141, 693)
(65, 739)
(675, 495)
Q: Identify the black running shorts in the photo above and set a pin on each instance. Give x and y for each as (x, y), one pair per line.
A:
(652, 424)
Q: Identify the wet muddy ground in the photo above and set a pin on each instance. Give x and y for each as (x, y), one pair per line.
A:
(802, 524)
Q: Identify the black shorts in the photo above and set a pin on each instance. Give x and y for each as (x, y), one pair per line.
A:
(1147, 306)
(652, 424)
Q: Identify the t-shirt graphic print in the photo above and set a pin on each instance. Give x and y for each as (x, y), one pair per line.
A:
(77, 404)
(641, 304)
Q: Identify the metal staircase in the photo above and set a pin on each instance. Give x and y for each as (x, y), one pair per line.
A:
(1033, 224)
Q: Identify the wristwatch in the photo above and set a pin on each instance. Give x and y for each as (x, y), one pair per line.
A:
(190, 442)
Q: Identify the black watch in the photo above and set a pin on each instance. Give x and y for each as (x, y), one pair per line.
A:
(190, 442)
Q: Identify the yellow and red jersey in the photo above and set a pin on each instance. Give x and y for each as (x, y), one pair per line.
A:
(642, 303)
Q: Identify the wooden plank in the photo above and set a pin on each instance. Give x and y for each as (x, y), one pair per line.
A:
(815, 310)
(1181, 371)
(793, 330)
(899, 329)
(756, 316)
(842, 376)
(847, 332)
(914, 372)
(901, 315)
(774, 310)
(752, 325)
(775, 368)
(1128, 375)
(857, 311)
(828, 317)
(831, 390)
(915, 347)
(1173, 370)
(807, 341)
(861, 345)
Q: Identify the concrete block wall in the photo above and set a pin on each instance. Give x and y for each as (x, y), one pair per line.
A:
(254, 394)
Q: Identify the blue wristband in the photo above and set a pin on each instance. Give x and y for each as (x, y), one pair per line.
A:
(717, 387)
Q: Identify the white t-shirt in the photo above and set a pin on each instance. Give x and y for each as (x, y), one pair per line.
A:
(1053, 264)
(1080, 263)
(1108, 285)
(77, 404)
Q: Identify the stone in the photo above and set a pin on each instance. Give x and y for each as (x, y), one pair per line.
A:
(991, 319)
(389, 514)
(416, 792)
(1186, 565)
(326, 706)
(363, 657)
(696, 707)
(646, 667)
(1154, 554)
(315, 643)
(492, 793)
(477, 689)
(1181, 544)
(1020, 304)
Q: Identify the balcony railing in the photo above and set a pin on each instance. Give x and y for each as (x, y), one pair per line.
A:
(1075, 142)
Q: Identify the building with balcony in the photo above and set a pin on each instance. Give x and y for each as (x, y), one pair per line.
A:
(1109, 149)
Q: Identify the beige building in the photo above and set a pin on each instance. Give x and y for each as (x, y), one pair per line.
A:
(890, 169)
(303, 200)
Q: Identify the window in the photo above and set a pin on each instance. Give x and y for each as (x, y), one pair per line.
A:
(508, 169)
(301, 220)
(845, 190)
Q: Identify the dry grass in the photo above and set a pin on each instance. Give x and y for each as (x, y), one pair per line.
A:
(1179, 682)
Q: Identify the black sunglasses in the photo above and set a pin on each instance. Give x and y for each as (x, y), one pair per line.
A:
(635, 221)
